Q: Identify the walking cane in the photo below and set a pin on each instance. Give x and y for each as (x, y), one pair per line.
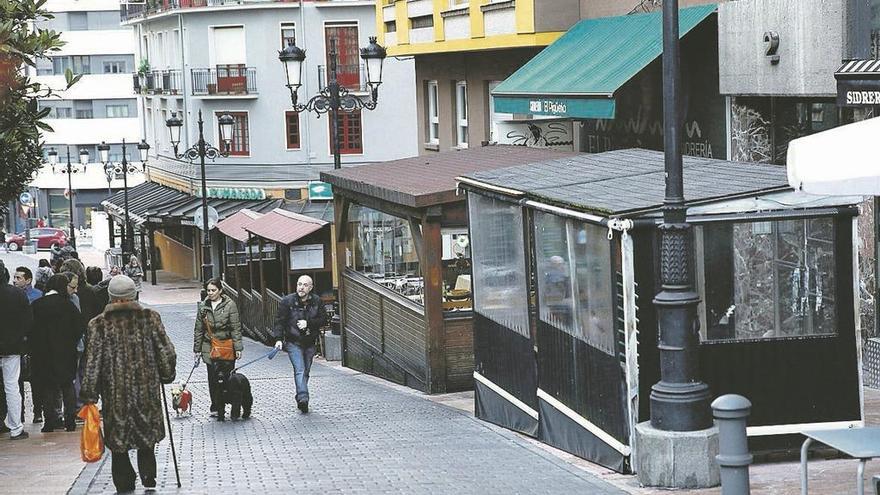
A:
(170, 435)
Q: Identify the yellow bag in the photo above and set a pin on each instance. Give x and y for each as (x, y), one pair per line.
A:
(92, 441)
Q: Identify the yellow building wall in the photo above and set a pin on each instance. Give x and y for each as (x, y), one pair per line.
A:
(176, 257)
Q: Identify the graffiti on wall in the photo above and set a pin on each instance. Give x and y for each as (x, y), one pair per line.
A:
(537, 134)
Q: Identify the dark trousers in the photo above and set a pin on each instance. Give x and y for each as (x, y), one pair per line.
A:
(214, 370)
(123, 472)
(54, 396)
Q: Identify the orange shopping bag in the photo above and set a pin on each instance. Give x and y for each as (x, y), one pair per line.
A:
(92, 441)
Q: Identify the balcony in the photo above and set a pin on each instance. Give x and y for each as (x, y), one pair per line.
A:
(129, 12)
(351, 77)
(224, 80)
(155, 82)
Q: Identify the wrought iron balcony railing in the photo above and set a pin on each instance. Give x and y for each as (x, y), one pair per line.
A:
(351, 77)
(224, 80)
(131, 11)
(168, 81)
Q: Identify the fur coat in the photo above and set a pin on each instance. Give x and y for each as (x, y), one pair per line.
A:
(128, 357)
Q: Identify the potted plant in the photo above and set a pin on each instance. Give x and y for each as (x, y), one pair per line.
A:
(146, 77)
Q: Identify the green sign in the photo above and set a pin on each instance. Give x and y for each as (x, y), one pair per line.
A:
(320, 190)
(234, 193)
(576, 108)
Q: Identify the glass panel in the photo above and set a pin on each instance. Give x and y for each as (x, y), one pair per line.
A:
(768, 279)
(593, 282)
(456, 260)
(555, 303)
(382, 248)
(499, 262)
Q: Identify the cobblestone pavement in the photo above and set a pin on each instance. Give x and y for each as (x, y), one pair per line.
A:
(360, 436)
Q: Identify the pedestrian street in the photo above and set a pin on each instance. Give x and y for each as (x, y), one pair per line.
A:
(360, 436)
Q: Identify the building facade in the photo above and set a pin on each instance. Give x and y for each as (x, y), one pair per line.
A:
(100, 107)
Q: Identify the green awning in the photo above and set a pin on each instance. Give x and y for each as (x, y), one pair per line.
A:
(578, 74)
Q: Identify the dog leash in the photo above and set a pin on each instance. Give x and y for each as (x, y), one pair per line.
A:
(196, 365)
(271, 354)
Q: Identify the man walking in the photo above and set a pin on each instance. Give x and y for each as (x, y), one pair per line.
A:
(17, 319)
(297, 324)
(23, 279)
(129, 386)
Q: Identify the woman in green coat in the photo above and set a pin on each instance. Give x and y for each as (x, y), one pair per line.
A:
(218, 315)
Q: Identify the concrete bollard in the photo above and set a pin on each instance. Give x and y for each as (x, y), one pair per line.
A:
(730, 412)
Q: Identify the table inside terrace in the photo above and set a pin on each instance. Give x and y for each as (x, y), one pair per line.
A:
(860, 443)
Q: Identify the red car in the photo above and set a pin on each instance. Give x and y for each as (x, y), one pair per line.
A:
(46, 237)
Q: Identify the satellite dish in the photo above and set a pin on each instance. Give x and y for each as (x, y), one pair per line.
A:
(213, 217)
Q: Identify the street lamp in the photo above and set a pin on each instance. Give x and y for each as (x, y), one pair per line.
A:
(333, 98)
(124, 167)
(70, 170)
(201, 150)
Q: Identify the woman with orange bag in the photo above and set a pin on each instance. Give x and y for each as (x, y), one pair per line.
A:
(217, 339)
(128, 346)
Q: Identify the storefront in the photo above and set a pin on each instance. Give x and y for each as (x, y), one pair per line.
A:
(598, 88)
(566, 267)
(404, 262)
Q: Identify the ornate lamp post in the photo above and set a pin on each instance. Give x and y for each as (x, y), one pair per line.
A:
(201, 150)
(70, 170)
(333, 98)
(125, 167)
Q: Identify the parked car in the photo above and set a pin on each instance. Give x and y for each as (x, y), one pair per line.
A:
(46, 237)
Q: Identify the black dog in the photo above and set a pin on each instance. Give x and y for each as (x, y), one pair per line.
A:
(235, 389)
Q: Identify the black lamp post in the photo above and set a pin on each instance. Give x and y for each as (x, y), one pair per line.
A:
(70, 170)
(333, 98)
(124, 167)
(201, 150)
(679, 401)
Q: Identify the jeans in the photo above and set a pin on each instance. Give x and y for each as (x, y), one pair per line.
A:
(301, 359)
(53, 397)
(77, 382)
(11, 366)
(123, 472)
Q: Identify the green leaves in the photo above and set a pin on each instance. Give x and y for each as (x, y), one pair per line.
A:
(22, 43)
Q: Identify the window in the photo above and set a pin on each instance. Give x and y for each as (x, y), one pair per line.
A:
(81, 64)
(84, 114)
(288, 34)
(573, 268)
(348, 62)
(461, 114)
(765, 280)
(77, 21)
(61, 113)
(498, 250)
(240, 135)
(433, 113)
(291, 124)
(114, 67)
(390, 26)
(424, 21)
(350, 133)
(117, 111)
(457, 3)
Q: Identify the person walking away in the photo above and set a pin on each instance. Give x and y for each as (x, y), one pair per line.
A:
(17, 320)
(23, 279)
(128, 358)
(44, 273)
(217, 318)
(57, 328)
(89, 306)
(297, 324)
(133, 271)
(95, 279)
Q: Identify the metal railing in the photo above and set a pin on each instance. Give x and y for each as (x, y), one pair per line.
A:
(224, 80)
(168, 81)
(350, 76)
(129, 12)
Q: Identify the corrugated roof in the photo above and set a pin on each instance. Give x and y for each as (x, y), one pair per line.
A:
(322, 210)
(429, 180)
(140, 199)
(631, 181)
(234, 225)
(284, 227)
(597, 56)
(184, 208)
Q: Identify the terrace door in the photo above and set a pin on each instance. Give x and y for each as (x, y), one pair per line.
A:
(345, 38)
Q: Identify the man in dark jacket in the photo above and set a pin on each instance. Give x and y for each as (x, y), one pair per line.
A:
(297, 324)
(17, 320)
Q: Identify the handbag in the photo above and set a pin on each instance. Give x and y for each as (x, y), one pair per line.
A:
(221, 349)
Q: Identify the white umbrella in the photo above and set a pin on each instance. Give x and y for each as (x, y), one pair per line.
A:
(840, 161)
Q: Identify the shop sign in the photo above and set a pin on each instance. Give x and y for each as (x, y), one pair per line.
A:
(858, 92)
(245, 193)
(320, 190)
(583, 108)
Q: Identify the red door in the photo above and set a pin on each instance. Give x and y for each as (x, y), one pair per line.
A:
(348, 72)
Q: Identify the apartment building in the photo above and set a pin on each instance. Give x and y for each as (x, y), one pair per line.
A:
(101, 107)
